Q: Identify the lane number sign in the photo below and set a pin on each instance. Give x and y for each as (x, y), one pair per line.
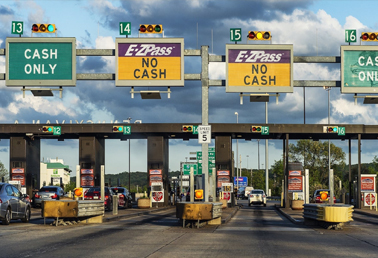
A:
(17, 27)
(235, 34)
(350, 36)
(125, 28)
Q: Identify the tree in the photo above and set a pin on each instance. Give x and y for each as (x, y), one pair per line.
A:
(3, 172)
(314, 156)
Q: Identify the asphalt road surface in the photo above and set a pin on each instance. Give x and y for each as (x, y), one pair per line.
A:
(255, 231)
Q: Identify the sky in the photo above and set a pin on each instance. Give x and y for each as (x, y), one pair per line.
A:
(313, 27)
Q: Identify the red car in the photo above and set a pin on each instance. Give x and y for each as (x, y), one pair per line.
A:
(94, 193)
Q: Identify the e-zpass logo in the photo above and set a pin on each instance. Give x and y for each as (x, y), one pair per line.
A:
(148, 49)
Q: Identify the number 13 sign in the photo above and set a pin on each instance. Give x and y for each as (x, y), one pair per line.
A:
(204, 134)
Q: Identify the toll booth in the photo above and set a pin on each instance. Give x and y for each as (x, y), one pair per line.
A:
(157, 166)
(223, 161)
(24, 165)
(91, 157)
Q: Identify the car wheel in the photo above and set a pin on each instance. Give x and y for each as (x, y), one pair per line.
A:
(7, 217)
(26, 219)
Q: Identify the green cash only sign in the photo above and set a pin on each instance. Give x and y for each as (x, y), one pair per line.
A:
(41, 62)
(359, 69)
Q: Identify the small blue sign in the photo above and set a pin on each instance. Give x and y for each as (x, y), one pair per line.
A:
(243, 181)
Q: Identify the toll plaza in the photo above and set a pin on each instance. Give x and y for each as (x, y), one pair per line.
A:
(25, 146)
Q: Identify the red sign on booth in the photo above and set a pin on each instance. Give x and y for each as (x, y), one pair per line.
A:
(295, 184)
(18, 174)
(367, 183)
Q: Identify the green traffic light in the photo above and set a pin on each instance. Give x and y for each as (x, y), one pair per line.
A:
(50, 129)
(157, 28)
(50, 28)
(120, 129)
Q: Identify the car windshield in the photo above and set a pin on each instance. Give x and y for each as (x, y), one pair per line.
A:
(97, 189)
(48, 189)
(257, 192)
(118, 189)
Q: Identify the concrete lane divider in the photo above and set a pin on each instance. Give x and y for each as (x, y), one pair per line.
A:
(331, 216)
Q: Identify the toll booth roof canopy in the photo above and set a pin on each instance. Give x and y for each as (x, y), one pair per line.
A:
(58, 166)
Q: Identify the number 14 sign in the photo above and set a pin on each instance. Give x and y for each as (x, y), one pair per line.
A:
(204, 134)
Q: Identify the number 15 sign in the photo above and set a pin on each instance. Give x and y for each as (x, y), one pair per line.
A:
(204, 134)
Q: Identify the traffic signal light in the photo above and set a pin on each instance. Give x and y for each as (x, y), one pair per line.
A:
(198, 194)
(187, 128)
(369, 36)
(256, 129)
(47, 129)
(43, 28)
(332, 129)
(117, 128)
(78, 192)
(259, 35)
(151, 28)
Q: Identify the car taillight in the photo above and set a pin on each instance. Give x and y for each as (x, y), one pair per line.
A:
(54, 196)
(1, 201)
(317, 197)
(106, 197)
(251, 195)
(37, 196)
(264, 196)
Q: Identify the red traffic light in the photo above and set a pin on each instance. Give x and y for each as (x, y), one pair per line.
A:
(251, 35)
(142, 28)
(365, 36)
(35, 27)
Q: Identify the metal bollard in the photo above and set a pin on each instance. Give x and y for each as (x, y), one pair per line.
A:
(115, 204)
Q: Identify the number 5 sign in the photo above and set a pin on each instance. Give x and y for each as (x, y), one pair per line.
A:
(204, 134)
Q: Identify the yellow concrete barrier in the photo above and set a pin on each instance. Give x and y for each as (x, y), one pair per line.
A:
(336, 213)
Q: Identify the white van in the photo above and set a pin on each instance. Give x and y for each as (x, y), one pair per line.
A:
(247, 190)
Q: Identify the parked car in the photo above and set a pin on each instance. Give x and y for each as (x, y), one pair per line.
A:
(124, 197)
(316, 198)
(47, 193)
(257, 196)
(13, 204)
(94, 193)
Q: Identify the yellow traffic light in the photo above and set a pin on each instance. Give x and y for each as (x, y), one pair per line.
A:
(369, 36)
(256, 129)
(43, 28)
(198, 194)
(259, 35)
(118, 129)
(47, 129)
(151, 28)
(78, 192)
(187, 128)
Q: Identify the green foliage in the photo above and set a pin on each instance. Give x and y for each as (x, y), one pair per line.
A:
(70, 186)
(3, 172)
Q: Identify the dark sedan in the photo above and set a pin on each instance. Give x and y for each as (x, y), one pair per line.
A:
(124, 197)
(94, 193)
(13, 204)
